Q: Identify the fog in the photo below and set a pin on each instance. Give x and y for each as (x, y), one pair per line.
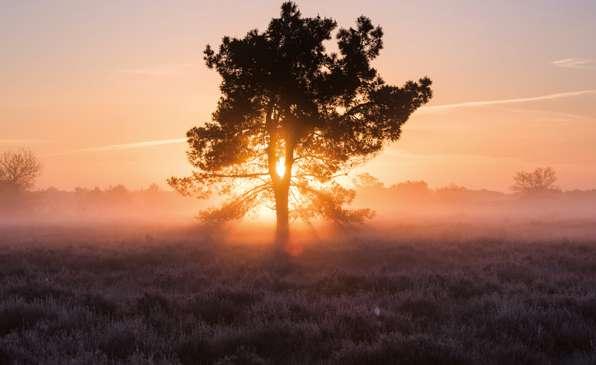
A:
(405, 211)
(112, 206)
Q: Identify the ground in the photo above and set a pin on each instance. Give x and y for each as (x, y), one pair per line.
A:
(95, 297)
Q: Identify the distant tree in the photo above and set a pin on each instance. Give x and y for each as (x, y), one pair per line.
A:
(153, 189)
(451, 188)
(81, 190)
(293, 116)
(366, 180)
(18, 170)
(51, 190)
(411, 189)
(538, 181)
(452, 193)
(119, 190)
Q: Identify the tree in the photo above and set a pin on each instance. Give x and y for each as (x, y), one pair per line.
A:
(540, 180)
(293, 116)
(153, 189)
(367, 181)
(18, 170)
(411, 188)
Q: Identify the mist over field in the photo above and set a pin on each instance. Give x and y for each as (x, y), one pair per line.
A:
(403, 212)
(441, 276)
(397, 208)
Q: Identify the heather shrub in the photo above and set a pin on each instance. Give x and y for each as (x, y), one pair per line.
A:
(188, 302)
(18, 315)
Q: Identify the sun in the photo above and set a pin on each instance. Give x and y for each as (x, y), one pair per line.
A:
(280, 167)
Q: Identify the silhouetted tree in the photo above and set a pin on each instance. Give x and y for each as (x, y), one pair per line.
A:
(367, 181)
(18, 170)
(153, 189)
(293, 116)
(538, 181)
(411, 188)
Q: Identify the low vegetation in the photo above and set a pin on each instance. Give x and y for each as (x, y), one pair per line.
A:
(66, 298)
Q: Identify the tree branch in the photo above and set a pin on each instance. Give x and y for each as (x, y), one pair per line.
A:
(233, 176)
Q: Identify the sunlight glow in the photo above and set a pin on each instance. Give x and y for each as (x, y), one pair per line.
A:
(280, 167)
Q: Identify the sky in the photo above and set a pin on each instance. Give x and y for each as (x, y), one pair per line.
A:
(104, 92)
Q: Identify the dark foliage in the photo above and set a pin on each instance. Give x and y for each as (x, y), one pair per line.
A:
(286, 100)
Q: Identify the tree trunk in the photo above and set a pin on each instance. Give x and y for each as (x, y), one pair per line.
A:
(281, 189)
(282, 231)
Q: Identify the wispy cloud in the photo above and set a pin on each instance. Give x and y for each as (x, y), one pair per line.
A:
(134, 145)
(475, 104)
(576, 63)
(157, 70)
(430, 109)
(125, 146)
(549, 114)
(23, 141)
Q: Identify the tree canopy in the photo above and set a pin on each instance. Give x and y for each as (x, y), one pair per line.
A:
(18, 170)
(293, 116)
(541, 180)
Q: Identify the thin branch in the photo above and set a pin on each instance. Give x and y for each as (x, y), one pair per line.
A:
(232, 176)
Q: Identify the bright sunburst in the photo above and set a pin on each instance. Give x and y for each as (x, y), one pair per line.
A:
(280, 167)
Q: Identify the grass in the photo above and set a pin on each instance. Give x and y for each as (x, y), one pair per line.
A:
(67, 298)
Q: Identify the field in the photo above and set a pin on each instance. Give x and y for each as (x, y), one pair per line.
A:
(82, 296)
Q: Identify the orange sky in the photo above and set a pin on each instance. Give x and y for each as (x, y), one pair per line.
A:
(104, 93)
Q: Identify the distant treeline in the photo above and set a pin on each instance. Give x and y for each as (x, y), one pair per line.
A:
(415, 199)
(402, 201)
(82, 204)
